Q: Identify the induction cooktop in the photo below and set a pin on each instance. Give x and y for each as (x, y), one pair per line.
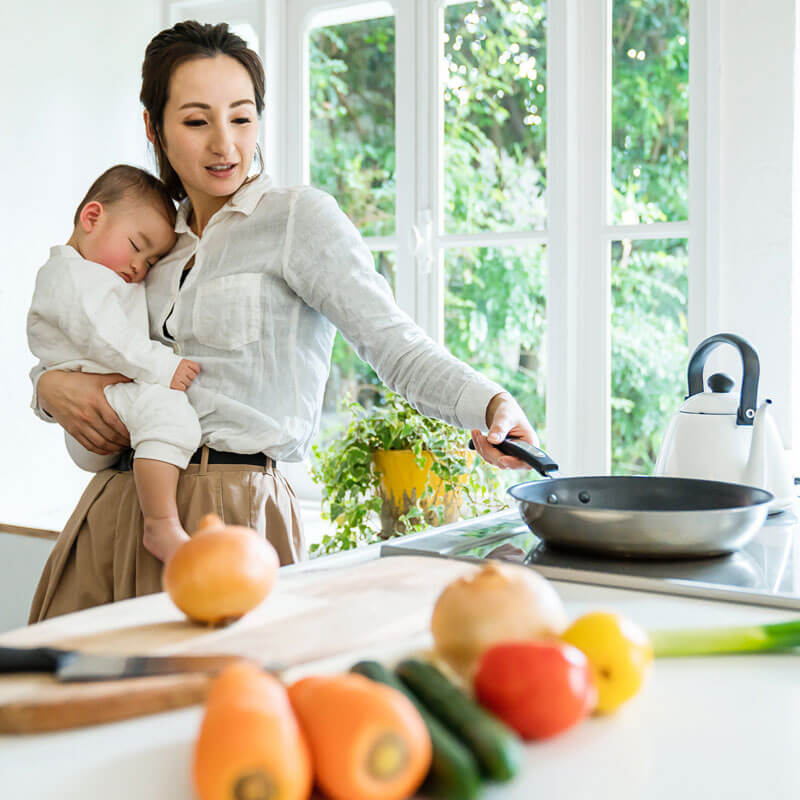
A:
(765, 572)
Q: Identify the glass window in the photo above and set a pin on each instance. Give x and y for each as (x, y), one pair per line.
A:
(494, 116)
(352, 107)
(495, 318)
(650, 111)
(649, 347)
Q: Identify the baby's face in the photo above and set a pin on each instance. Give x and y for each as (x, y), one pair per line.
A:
(130, 236)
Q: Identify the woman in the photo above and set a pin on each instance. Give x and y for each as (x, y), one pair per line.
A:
(252, 290)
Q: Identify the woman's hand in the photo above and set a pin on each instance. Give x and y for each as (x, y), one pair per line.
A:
(504, 417)
(76, 401)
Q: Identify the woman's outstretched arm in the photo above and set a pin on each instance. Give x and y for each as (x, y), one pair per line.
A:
(330, 267)
(75, 400)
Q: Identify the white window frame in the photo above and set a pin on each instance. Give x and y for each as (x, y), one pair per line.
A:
(580, 232)
(578, 235)
(302, 16)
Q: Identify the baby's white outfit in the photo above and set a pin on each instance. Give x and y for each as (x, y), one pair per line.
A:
(85, 317)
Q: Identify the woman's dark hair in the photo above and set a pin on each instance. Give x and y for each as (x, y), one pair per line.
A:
(169, 49)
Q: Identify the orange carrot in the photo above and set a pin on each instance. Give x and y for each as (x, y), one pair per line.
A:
(367, 740)
(250, 745)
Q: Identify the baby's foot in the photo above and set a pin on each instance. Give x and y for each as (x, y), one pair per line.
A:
(163, 536)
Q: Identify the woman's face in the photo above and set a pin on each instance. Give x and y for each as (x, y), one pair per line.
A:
(210, 127)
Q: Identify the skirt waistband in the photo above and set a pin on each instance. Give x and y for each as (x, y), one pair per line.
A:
(125, 462)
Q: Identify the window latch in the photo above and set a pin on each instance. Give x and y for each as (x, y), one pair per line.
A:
(422, 241)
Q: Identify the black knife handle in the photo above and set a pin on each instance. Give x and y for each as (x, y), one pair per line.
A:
(530, 454)
(31, 659)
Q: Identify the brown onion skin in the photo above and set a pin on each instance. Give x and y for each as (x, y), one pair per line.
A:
(221, 573)
(499, 602)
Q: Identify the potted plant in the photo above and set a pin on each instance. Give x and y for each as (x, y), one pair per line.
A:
(395, 471)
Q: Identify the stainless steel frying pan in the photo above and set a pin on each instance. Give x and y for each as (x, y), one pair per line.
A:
(639, 517)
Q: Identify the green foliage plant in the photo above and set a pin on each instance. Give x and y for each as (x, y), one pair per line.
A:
(351, 493)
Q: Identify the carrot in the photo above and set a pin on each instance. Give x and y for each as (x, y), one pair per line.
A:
(243, 684)
(250, 745)
(367, 740)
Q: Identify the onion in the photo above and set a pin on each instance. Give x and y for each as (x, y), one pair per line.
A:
(221, 573)
(501, 602)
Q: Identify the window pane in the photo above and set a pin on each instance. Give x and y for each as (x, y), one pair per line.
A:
(495, 318)
(494, 116)
(650, 111)
(352, 97)
(350, 376)
(649, 347)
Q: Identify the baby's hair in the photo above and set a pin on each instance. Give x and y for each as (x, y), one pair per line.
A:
(121, 180)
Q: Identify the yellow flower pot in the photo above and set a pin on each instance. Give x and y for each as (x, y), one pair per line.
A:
(403, 483)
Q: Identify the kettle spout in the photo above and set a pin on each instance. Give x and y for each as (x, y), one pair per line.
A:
(767, 466)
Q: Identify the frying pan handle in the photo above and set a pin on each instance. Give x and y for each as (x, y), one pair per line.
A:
(526, 452)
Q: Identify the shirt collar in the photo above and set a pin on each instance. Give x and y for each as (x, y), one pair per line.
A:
(245, 199)
(65, 251)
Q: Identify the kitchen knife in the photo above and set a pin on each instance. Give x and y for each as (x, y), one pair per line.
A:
(73, 665)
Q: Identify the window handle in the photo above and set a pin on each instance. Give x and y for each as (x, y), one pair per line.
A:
(422, 241)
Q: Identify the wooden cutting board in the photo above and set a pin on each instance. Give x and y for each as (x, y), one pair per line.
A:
(308, 617)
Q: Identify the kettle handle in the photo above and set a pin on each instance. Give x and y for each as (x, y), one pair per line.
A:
(750, 372)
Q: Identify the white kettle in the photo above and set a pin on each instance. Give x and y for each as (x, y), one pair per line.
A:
(720, 436)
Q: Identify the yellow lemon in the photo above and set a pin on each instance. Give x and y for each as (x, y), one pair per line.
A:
(619, 653)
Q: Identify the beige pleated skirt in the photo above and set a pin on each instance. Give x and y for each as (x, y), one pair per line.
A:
(99, 556)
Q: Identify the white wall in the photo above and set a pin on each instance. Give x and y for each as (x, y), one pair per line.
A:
(23, 558)
(756, 136)
(69, 82)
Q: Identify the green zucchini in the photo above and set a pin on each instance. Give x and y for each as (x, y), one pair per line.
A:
(454, 771)
(498, 749)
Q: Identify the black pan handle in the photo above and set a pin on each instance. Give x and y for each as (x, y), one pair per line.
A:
(526, 452)
(31, 659)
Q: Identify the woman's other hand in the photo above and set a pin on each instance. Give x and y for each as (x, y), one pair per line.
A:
(76, 401)
(504, 418)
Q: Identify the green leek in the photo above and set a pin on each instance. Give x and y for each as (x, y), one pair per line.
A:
(716, 641)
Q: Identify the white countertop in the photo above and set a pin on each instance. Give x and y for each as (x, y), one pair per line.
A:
(719, 727)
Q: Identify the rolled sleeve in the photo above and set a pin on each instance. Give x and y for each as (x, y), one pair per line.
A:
(333, 271)
(35, 374)
(473, 402)
(164, 363)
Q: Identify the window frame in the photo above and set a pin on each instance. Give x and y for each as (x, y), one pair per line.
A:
(579, 182)
(300, 17)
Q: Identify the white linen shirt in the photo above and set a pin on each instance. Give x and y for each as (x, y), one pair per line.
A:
(274, 271)
(85, 317)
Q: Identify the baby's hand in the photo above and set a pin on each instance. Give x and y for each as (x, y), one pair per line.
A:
(187, 371)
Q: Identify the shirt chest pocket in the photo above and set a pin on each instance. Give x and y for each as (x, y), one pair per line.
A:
(227, 311)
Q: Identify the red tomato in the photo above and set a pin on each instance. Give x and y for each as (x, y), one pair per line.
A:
(537, 688)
